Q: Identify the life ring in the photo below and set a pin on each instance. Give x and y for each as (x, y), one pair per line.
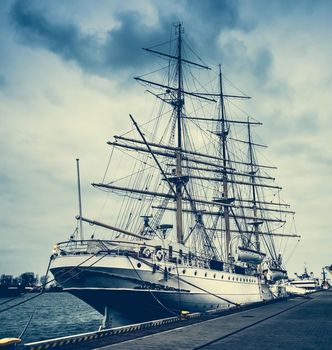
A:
(159, 255)
(147, 252)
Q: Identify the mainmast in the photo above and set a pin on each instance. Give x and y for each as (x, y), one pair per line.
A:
(253, 186)
(178, 103)
(223, 138)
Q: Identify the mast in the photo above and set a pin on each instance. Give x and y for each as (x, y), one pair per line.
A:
(178, 106)
(223, 139)
(79, 197)
(253, 186)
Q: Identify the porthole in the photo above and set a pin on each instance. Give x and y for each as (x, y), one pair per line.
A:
(237, 279)
(229, 278)
(205, 274)
(139, 265)
(214, 276)
(233, 278)
(222, 277)
(195, 273)
(183, 271)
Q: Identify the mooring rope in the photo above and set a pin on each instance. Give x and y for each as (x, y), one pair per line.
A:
(158, 301)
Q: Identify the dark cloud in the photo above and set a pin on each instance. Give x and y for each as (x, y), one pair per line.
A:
(210, 18)
(120, 48)
(66, 40)
(261, 64)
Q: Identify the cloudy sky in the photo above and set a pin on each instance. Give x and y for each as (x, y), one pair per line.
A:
(66, 87)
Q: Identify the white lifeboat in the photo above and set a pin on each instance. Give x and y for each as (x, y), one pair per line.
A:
(250, 256)
(277, 274)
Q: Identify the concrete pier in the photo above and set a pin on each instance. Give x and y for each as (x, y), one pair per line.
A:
(295, 323)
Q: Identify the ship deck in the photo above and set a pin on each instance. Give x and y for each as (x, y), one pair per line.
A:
(299, 323)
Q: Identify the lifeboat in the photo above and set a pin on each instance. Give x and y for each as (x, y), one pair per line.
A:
(277, 274)
(250, 256)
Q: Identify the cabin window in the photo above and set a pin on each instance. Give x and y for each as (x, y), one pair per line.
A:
(214, 276)
(195, 273)
(183, 271)
(205, 274)
(222, 277)
(229, 278)
(233, 278)
(139, 265)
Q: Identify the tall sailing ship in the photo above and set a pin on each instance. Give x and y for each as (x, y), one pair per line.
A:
(195, 218)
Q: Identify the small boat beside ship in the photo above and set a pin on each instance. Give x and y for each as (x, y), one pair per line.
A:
(304, 284)
(306, 281)
(196, 221)
(11, 291)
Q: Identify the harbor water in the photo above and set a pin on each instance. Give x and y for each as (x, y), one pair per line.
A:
(54, 315)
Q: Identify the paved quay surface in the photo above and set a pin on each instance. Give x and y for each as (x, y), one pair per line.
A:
(297, 323)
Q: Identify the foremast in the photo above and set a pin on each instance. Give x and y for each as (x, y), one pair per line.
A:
(223, 140)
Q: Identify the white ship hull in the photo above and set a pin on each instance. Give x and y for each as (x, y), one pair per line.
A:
(131, 285)
(295, 290)
(307, 284)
